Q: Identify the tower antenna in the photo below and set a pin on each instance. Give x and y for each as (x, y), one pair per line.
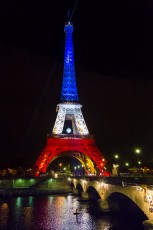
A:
(73, 10)
(69, 15)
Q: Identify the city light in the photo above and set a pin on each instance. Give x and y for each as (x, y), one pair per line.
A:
(60, 165)
(116, 156)
(137, 151)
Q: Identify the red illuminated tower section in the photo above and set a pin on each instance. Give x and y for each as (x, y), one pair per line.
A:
(70, 135)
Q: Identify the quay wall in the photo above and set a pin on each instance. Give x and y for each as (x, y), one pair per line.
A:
(34, 183)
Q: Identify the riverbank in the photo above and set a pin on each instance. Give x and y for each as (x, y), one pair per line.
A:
(31, 192)
(33, 187)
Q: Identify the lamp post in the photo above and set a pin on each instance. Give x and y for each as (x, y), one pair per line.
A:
(127, 166)
(60, 165)
(139, 163)
(115, 166)
(138, 152)
(116, 161)
(116, 156)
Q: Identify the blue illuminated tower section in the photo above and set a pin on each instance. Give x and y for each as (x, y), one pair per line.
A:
(69, 88)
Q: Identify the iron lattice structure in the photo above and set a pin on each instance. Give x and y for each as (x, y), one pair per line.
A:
(75, 147)
(69, 89)
(73, 113)
(70, 135)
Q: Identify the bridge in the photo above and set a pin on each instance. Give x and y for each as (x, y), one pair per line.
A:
(131, 195)
(135, 194)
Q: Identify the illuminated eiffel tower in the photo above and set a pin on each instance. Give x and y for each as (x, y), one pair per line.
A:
(70, 135)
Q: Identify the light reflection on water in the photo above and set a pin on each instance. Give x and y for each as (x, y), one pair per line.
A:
(55, 213)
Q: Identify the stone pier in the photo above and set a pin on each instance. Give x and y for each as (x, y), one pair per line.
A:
(148, 224)
(103, 205)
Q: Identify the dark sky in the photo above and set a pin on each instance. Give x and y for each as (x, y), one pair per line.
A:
(113, 43)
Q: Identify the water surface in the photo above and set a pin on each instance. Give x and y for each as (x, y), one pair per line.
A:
(57, 213)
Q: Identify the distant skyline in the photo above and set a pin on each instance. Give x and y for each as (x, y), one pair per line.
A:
(113, 59)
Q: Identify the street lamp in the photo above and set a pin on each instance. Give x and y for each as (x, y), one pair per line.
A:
(116, 156)
(139, 163)
(127, 166)
(60, 165)
(138, 152)
(115, 165)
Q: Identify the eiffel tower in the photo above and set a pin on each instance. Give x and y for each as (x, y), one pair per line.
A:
(70, 135)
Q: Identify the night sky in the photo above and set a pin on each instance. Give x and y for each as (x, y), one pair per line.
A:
(113, 46)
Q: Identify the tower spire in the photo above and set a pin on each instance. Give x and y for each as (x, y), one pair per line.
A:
(69, 15)
(69, 88)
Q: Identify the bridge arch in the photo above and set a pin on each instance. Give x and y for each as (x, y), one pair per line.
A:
(120, 202)
(135, 198)
(79, 188)
(135, 193)
(92, 193)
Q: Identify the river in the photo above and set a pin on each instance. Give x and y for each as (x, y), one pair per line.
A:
(57, 212)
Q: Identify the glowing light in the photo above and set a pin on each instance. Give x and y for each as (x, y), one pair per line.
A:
(116, 156)
(56, 175)
(68, 130)
(4, 209)
(50, 180)
(137, 151)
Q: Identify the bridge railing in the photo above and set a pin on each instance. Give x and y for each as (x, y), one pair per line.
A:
(121, 181)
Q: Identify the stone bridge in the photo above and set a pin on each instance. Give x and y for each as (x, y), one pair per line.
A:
(116, 193)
